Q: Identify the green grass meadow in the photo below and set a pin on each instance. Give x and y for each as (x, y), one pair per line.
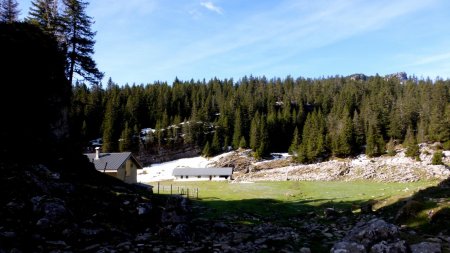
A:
(284, 199)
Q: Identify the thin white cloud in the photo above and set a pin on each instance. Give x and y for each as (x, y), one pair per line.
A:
(440, 57)
(212, 7)
(317, 24)
(432, 66)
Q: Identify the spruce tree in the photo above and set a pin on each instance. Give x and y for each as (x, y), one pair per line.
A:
(255, 132)
(412, 149)
(9, 11)
(207, 150)
(313, 144)
(79, 41)
(295, 142)
(215, 144)
(375, 145)
(359, 133)
(342, 137)
(242, 142)
(263, 148)
(237, 133)
(125, 142)
(44, 13)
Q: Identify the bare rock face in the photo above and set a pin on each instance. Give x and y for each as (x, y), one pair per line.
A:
(372, 232)
(398, 168)
(426, 247)
(379, 236)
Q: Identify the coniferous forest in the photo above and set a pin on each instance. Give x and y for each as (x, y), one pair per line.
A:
(312, 118)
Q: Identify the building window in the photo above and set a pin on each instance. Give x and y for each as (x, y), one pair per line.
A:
(181, 177)
(199, 176)
(187, 176)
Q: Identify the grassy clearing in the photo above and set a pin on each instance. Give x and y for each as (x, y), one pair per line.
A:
(284, 199)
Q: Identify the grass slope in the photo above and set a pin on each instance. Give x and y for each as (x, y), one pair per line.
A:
(278, 201)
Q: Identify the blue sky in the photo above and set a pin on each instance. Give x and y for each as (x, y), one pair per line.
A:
(143, 41)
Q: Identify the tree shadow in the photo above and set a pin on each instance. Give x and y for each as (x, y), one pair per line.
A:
(314, 223)
(428, 210)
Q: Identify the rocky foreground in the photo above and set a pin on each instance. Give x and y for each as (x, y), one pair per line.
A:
(68, 206)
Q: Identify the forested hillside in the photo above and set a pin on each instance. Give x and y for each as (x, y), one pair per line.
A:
(312, 118)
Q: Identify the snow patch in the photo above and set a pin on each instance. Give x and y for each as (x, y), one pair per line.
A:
(163, 171)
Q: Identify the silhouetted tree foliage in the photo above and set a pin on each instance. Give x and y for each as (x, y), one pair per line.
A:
(79, 41)
(45, 14)
(9, 11)
(35, 98)
(333, 116)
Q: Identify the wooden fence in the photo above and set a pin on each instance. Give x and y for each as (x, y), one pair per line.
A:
(178, 190)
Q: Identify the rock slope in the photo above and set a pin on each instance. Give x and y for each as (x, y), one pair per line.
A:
(396, 168)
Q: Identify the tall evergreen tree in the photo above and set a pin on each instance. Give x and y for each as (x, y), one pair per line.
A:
(342, 135)
(44, 13)
(313, 144)
(215, 144)
(375, 145)
(242, 142)
(207, 150)
(295, 142)
(79, 39)
(255, 132)
(359, 133)
(9, 11)
(237, 133)
(412, 149)
(263, 147)
(125, 141)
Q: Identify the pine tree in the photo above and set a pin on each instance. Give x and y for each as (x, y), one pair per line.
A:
(375, 145)
(242, 142)
(111, 124)
(342, 138)
(9, 11)
(237, 133)
(412, 149)
(44, 13)
(79, 41)
(207, 150)
(263, 148)
(125, 142)
(301, 154)
(358, 128)
(313, 137)
(295, 142)
(255, 132)
(215, 144)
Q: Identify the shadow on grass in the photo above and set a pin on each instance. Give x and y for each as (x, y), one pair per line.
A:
(428, 210)
(275, 211)
(267, 217)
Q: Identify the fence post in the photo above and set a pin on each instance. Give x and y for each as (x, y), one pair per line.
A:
(158, 187)
(170, 189)
(187, 192)
(197, 193)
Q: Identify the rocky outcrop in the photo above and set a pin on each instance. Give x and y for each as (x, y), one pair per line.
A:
(378, 236)
(396, 168)
(69, 206)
